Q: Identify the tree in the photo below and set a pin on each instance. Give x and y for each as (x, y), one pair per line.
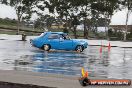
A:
(64, 9)
(83, 9)
(128, 5)
(95, 9)
(44, 21)
(23, 9)
(3, 2)
(75, 22)
(104, 9)
(61, 7)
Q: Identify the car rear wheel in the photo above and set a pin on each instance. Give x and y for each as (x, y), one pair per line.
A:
(46, 47)
(79, 48)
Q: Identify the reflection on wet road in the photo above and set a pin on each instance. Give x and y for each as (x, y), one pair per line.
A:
(19, 55)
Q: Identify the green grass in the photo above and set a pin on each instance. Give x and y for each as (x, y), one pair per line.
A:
(8, 22)
(10, 33)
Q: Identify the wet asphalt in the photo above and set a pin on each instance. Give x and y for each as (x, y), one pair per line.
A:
(21, 56)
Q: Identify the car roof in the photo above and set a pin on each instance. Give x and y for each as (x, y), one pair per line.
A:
(55, 32)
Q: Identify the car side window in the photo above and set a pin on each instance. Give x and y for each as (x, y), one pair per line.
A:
(53, 36)
(65, 37)
(61, 36)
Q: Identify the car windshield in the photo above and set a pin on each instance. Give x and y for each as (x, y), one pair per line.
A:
(43, 34)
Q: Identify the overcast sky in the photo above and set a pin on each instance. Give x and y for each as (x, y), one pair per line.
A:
(117, 19)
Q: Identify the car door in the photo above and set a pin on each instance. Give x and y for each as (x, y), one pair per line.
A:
(66, 44)
(54, 40)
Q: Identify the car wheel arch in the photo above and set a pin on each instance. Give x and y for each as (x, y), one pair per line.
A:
(79, 45)
(44, 45)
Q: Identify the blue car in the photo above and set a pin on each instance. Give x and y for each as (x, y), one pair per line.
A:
(58, 41)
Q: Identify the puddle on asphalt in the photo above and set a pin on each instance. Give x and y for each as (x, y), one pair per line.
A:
(18, 55)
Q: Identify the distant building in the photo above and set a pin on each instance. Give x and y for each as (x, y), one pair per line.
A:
(121, 27)
(102, 29)
(80, 27)
(56, 26)
(99, 29)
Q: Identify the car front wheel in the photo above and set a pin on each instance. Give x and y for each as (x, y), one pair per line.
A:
(46, 47)
(79, 48)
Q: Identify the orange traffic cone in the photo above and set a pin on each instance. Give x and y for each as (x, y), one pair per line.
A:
(84, 80)
(84, 74)
(100, 50)
(109, 47)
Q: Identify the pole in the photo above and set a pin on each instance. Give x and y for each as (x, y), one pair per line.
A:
(126, 28)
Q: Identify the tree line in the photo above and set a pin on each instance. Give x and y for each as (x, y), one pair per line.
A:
(88, 11)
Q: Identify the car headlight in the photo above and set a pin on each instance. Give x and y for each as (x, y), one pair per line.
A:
(31, 40)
